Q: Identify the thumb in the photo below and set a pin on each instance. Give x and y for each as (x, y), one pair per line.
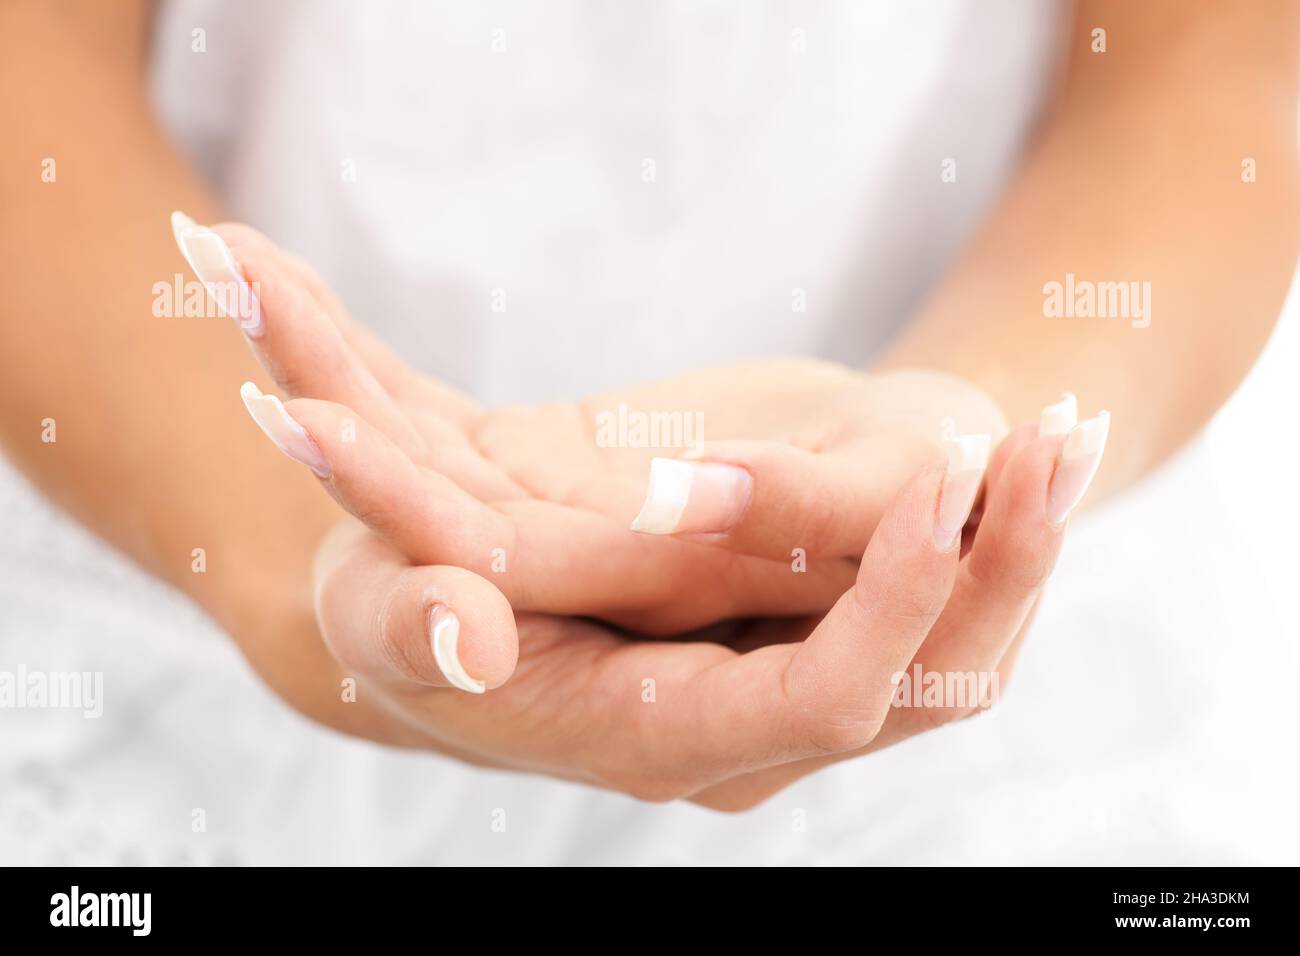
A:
(439, 626)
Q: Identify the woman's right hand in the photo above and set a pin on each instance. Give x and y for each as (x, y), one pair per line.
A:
(725, 718)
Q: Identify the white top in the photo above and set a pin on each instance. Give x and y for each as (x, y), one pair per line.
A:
(535, 202)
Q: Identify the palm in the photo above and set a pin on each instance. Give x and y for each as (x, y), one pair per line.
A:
(536, 501)
(816, 405)
(575, 675)
(442, 480)
(556, 465)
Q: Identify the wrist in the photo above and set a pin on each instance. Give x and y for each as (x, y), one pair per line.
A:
(276, 629)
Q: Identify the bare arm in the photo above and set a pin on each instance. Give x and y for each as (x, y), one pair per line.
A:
(1137, 177)
(153, 450)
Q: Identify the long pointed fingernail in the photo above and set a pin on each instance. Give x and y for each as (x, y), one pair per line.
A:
(968, 456)
(1059, 417)
(290, 437)
(444, 633)
(693, 497)
(1076, 466)
(212, 261)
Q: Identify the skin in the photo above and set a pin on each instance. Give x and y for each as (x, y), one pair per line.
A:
(178, 466)
(505, 492)
(1136, 175)
(725, 728)
(731, 718)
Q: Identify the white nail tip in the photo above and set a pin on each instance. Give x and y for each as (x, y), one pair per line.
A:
(187, 232)
(1059, 417)
(208, 255)
(269, 412)
(968, 452)
(665, 501)
(286, 434)
(445, 636)
(181, 224)
(1087, 438)
(212, 261)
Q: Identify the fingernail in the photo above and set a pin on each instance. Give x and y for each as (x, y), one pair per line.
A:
(212, 261)
(444, 633)
(693, 497)
(1059, 417)
(290, 437)
(1078, 461)
(968, 456)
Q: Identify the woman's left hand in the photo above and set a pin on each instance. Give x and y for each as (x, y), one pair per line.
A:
(540, 499)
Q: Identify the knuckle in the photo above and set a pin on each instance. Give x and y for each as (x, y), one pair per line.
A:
(932, 718)
(821, 723)
(389, 636)
(1016, 565)
(816, 520)
(908, 601)
(372, 510)
(293, 379)
(840, 733)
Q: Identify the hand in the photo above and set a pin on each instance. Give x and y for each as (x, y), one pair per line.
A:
(741, 724)
(532, 498)
(705, 720)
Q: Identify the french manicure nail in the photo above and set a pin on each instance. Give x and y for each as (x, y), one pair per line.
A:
(1059, 417)
(1080, 455)
(693, 497)
(212, 261)
(287, 435)
(444, 634)
(968, 456)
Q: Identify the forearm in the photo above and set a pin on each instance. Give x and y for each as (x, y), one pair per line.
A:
(1136, 178)
(151, 447)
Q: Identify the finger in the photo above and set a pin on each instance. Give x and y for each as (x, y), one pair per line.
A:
(297, 341)
(423, 514)
(997, 588)
(767, 498)
(396, 376)
(747, 790)
(1014, 554)
(1003, 453)
(1057, 418)
(1008, 663)
(431, 429)
(831, 693)
(846, 670)
(392, 621)
(310, 347)
(977, 636)
(544, 556)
